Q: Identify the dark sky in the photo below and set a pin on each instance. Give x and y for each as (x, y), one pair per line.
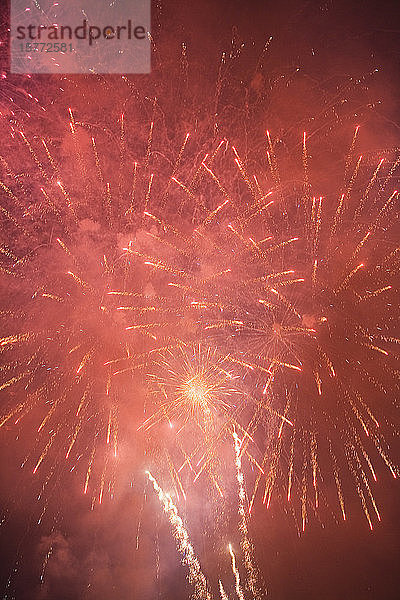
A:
(344, 49)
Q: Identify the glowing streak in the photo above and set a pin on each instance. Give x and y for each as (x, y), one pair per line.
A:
(305, 166)
(148, 193)
(149, 143)
(351, 149)
(314, 462)
(245, 542)
(290, 476)
(11, 381)
(337, 215)
(88, 472)
(132, 206)
(219, 184)
(78, 280)
(84, 360)
(369, 463)
(46, 560)
(73, 440)
(214, 213)
(53, 297)
(34, 156)
(82, 401)
(12, 413)
(44, 453)
(185, 189)
(259, 211)
(11, 218)
(68, 200)
(222, 591)
(339, 492)
(304, 496)
(348, 277)
(384, 209)
(181, 535)
(236, 574)
(15, 339)
(368, 189)
(102, 482)
(97, 161)
(377, 349)
(286, 302)
(49, 414)
(375, 293)
(109, 426)
(360, 245)
(245, 176)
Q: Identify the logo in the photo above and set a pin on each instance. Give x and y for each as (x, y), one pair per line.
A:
(80, 36)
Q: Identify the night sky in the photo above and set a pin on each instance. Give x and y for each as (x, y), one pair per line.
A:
(331, 65)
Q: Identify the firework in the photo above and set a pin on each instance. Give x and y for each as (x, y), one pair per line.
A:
(79, 320)
(198, 396)
(245, 542)
(297, 292)
(274, 284)
(168, 302)
(184, 545)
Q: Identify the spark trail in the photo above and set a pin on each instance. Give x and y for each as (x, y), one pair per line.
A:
(184, 545)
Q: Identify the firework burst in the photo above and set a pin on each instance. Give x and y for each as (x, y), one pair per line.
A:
(298, 293)
(79, 319)
(245, 305)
